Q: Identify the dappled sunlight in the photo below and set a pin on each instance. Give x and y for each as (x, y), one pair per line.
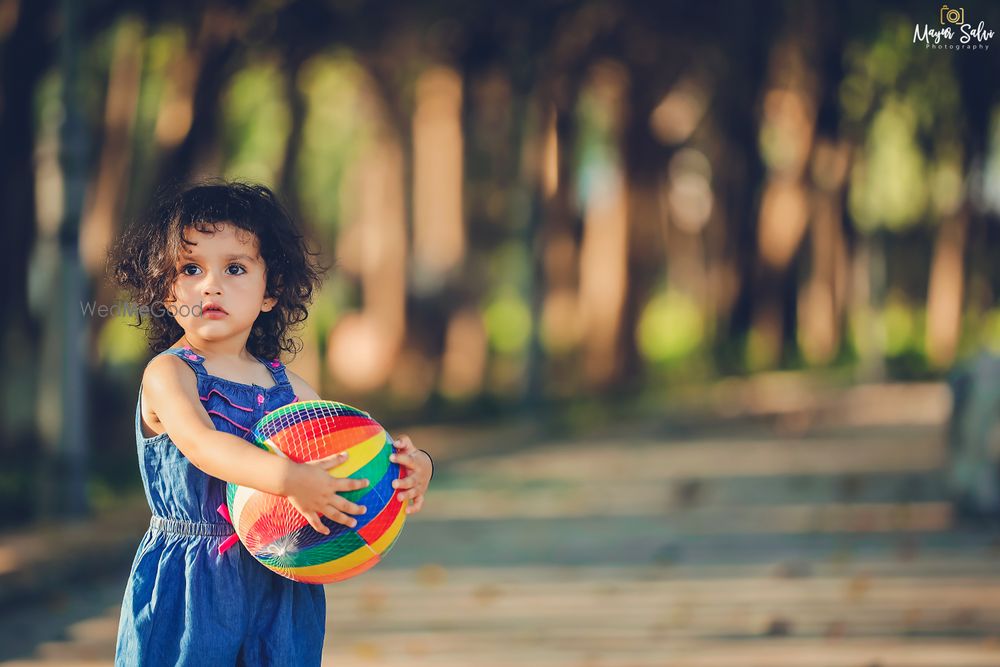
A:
(602, 277)
(463, 365)
(689, 192)
(358, 352)
(674, 119)
(438, 220)
(177, 68)
(784, 211)
(945, 292)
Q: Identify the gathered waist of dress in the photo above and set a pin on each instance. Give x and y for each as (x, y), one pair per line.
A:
(184, 527)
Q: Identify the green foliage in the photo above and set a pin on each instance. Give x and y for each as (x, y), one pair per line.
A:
(508, 322)
(888, 186)
(507, 315)
(256, 123)
(904, 101)
(120, 342)
(989, 330)
(900, 326)
(337, 129)
(671, 327)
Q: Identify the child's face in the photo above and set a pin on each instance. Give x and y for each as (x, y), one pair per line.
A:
(224, 269)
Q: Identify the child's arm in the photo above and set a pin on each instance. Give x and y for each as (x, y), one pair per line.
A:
(171, 391)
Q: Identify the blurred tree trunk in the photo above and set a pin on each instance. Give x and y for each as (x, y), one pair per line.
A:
(293, 143)
(556, 65)
(27, 52)
(69, 478)
(788, 118)
(644, 160)
(524, 205)
(420, 326)
(742, 174)
(962, 245)
(111, 180)
(945, 292)
(560, 236)
(822, 294)
(218, 54)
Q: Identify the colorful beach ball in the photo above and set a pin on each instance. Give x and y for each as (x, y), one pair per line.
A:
(279, 536)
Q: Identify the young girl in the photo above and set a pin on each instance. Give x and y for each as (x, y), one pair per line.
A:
(225, 274)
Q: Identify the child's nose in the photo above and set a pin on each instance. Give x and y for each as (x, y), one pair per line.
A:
(211, 286)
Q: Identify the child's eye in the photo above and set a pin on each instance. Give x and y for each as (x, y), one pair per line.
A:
(190, 266)
(237, 266)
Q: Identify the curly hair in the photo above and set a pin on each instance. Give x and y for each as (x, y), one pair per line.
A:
(143, 261)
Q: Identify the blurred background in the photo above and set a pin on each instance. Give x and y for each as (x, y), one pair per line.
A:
(695, 305)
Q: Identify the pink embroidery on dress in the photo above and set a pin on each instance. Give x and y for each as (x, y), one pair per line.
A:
(215, 412)
(228, 400)
(260, 399)
(275, 363)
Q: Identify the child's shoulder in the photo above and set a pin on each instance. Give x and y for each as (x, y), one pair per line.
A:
(168, 370)
(303, 390)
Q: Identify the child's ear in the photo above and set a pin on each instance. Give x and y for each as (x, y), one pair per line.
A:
(269, 303)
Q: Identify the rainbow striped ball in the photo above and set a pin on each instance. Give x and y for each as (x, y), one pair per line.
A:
(279, 536)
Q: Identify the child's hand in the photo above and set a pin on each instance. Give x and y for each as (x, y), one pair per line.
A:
(314, 492)
(418, 475)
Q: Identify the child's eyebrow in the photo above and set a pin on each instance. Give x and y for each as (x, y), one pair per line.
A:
(229, 258)
(246, 257)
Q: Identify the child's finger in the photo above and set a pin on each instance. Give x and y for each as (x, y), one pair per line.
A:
(346, 506)
(402, 459)
(406, 495)
(340, 484)
(405, 483)
(331, 461)
(314, 521)
(416, 505)
(404, 443)
(340, 517)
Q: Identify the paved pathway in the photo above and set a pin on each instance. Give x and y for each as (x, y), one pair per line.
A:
(715, 547)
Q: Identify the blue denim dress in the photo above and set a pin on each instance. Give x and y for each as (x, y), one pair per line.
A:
(185, 602)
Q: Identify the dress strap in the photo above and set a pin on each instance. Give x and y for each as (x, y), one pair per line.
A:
(277, 369)
(190, 357)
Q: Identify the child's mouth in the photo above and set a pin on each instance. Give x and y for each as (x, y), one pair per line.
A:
(213, 312)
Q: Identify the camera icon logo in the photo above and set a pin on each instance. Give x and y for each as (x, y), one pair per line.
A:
(956, 16)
